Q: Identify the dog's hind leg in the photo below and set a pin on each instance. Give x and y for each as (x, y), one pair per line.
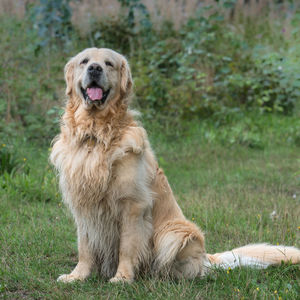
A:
(179, 249)
(190, 261)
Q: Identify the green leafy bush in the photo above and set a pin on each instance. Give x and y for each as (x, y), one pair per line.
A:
(207, 69)
(52, 21)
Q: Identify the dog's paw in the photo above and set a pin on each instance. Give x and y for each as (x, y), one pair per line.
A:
(66, 278)
(120, 279)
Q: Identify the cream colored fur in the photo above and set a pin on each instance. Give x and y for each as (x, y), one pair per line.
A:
(255, 255)
(126, 215)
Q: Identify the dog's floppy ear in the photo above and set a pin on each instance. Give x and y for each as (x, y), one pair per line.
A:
(126, 79)
(69, 76)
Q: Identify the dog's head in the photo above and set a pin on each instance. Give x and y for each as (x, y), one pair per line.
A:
(98, 77)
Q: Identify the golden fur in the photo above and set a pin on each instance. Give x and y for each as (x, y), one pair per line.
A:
(126, 215)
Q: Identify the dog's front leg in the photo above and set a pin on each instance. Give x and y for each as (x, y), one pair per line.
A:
(85, 262)
(136, 230)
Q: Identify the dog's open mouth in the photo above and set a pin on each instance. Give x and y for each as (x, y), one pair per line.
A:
(95, 93)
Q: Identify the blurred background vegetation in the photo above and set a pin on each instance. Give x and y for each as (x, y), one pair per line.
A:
(230, 65)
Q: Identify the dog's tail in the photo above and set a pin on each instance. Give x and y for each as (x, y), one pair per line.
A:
(255, 255)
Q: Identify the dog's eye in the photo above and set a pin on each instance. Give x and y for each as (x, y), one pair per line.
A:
(108, 63)
(85, 61)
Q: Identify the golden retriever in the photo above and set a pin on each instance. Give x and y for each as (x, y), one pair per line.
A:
(126, 215)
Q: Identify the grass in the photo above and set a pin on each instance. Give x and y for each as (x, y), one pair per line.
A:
(223, 182)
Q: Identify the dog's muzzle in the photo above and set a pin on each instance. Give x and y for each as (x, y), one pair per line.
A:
(94, 92)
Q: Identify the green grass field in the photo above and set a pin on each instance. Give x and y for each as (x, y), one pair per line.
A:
(227, 179)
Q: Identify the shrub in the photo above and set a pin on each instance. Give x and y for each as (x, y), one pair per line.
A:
(52, 21)
(207, 68)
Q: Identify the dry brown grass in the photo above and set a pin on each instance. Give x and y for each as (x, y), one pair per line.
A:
(16, 7)
(176, 11)
(93, 10)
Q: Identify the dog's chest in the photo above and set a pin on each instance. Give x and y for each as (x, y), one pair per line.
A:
(85, 173)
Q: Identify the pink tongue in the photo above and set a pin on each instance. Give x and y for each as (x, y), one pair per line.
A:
(95, 93)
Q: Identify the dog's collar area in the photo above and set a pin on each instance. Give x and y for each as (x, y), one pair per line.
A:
(87, 98)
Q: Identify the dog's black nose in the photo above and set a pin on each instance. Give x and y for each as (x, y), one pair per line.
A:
(94, 70)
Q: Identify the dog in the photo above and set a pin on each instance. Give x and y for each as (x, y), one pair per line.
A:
(127, 218)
